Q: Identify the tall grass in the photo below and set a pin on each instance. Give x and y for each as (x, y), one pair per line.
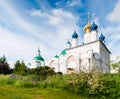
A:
(93, 85)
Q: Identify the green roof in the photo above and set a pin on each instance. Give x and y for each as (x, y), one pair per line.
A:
(56, 56)
(63, 52)
(39, 58)
(68, 42)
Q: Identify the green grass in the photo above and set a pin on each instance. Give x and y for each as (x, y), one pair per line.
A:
(15, 89)
(14, 92)
(4, 76)
(61, 87)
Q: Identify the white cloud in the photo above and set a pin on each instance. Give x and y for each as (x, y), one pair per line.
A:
(56, 17)
(74, 3)
(113, 32)
(112, 39)
(62, 21)
(16, 47)
(50, 35)
(114, 16)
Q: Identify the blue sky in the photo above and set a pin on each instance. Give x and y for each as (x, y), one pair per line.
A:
(26, 25)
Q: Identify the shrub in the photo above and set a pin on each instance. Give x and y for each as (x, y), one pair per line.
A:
(77, 83)
(95, 85)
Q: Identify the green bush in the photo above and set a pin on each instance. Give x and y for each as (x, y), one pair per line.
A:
(95, 85)
(77, 83)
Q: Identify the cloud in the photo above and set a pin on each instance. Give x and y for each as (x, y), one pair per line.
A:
(112, 30)
(112, 39)
(74, 3)
(114, 16)
(62, 21)
(50, 32)
(56, 17)
(16, 47)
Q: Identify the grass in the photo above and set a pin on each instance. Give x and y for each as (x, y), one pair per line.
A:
(14, 92)
(10, 89)
(82, 86)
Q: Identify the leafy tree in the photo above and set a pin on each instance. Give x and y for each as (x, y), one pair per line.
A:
(3, 59)
(116, 64)
(4, 66)
(20, 68)
(43, 72)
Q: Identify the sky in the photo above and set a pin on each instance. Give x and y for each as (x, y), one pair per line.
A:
(26, 25)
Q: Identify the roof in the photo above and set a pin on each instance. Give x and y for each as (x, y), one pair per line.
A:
(91, 43)
(68, 42)
(74, 35)
(56, 56)
(63, 52)
(93, 26)
(39, 58)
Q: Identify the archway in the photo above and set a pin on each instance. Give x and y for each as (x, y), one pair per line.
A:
(71, 64)
(52, 64)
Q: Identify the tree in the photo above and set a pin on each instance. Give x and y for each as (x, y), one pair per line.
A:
(116, 64)
(4, 66)
(43, 72)
(20, 68)
(3, 59)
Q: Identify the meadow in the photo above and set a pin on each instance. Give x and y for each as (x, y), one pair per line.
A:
(74, 86)
(16, 88)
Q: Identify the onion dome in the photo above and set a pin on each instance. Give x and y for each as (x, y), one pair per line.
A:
(87, 28)
(75, 35)
(102, 37)
(56, 56)
(63, 52)
(38, 57)
(68, 42)
(93, 27)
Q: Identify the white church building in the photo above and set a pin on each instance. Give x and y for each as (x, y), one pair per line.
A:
(89, 56)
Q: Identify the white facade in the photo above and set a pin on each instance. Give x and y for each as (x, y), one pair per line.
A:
(90, 56)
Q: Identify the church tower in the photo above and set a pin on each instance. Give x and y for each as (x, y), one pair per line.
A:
(94, 31)
(74, 39)
(87, 31)
(68, 44)
(38, 60)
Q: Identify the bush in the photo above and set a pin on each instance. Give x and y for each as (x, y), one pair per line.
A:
(95, 85)
(78, 83)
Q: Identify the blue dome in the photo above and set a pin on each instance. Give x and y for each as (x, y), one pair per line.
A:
(93, 27)
(102, 37)
(74, 35)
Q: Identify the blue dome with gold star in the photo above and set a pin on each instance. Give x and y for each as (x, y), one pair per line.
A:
(74, 35)
(93, 27)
